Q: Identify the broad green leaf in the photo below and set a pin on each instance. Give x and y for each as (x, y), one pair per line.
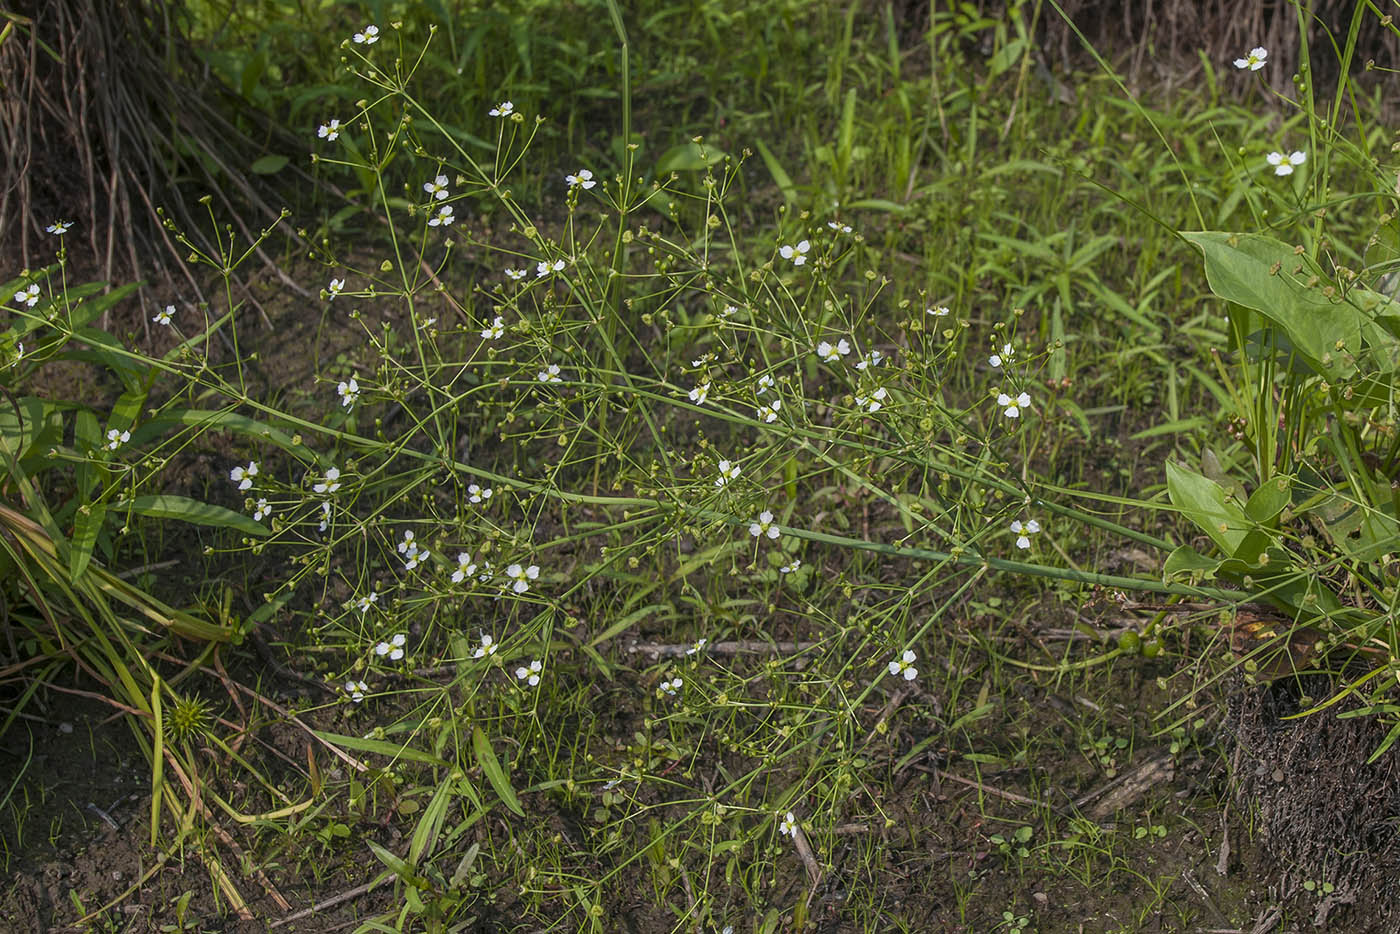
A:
(1265, 275)
(184, 509)
(382, 747)
(86, 524)
(1269, 500)
(1205, 503)
(486, 758)
(269, 165)
(687, 157)
(775, 168)
(396, 865)
(425, 835)
(1187, 562)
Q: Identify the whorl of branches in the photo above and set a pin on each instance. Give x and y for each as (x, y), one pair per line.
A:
(106, 114)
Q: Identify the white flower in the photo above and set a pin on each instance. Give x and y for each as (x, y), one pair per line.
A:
(530, 675)
(330, 484)
(427, 323)
(788, 825)
(764, 382)
(874, 402)
(466, 568)
(479, 494)
(368, 600)
(1254, 60)
(262, 511)
(702, 360)
(1014, 406)
(369, 36)
(670, 688)
(768, 411)
(1283, 165)
(495, 329)
(116, 439)
(243, 476)
(698, 647)
(164, 315)
(437, 188)
(349, 391)
(839, 227)
(831, 353)
(325, 515)
(871, 359)
(442, 218)
(997, 359)
(544, 268)
(59, 228)
(1024, 531)
(413, 555)
(939, 311)
(763, 525)
(904, 665)
(522, 576)
(700, 393)
(503, 109)
(357, 690)
(488, 647)
(393, 648)
(798, 253)
(550, 374)
(29, 296)
(729, 311)
(791, 566)
(727, 472)
(516, 274)
(582, 179)
(329, 130)
(334, 289)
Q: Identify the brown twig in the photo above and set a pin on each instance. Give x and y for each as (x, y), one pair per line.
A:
(331, 902)
(742, 647)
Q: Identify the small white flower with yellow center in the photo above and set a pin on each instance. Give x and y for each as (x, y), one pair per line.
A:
(366, 601)
(437, 188)
(1011, 408)
(530, 674)
(939, 311)
(515, 274)
(28, 297)
(261, 511)
(503, 109)
(442, 218)
(670, 688)
(791, 566)
(869, 360)
(997, 359)
(904, 665)
(486, 648)
(330, 484)
(768, 411)
(839, 227)
(702, 360)
(832, 353)
(698, 647)
(544, 268)
(367, 36)
(522, 576)
(393, 648)
(581, 179)
(797, 253)
(1283, 165)
(335, 288)
(165, 315)
(494, 330)
(550, 374)
(325, 516)
(466, 568)
(413, 555)
(763, 525)
(477, 493)
(329, 131)
(727, 472)
(764, 382)
(874, 402)
(357, 690)
(116, 439)
(349, 391)
(59, 228)
(700, 393)
(1024, 531)
(788, 825)
(1255, 60)
(243, 476)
